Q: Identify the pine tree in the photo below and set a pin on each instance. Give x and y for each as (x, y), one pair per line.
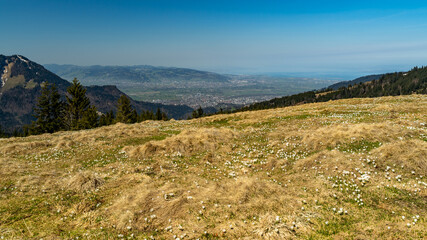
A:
(200, 111)
(125, 113)
(197, 113)
(77, 104)
(134, 116)
(110, 117)
(17, 132)
(141, 116)
(2, 133)
(107, 119)
(90, 118)
(164, 116)
(146, 115)
(103, 120)
(49, 111)
(26, 130)
(158, 114)
(150, 115)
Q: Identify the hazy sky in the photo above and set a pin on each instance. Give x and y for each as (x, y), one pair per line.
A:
(225, 36)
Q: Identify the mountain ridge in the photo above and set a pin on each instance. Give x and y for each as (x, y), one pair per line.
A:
(21, 81)
(358, 80)
(135, 73)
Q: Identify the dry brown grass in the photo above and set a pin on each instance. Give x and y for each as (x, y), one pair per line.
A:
(186, 143)
(347, 169)
(411, 154)
(83, 181)
(343, 133)
(24, 147)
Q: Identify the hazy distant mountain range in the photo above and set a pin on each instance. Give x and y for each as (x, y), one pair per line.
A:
(20, 88)
(119, 75)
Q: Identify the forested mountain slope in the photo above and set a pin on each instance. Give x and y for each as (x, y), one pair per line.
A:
(363, 79)
(392, 84)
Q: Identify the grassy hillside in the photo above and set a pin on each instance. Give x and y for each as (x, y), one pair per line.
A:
(346, 169)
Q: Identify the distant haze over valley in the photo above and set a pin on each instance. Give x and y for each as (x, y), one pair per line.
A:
(169, 85)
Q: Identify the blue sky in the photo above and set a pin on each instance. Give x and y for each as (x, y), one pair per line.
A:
(311, 37)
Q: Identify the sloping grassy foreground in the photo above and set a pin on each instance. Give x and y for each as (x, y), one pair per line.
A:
(348, 169)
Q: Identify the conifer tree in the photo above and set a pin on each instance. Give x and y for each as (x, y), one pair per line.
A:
(111, 117)
(106, 119)
(197, 113)
(141, 116)
(125, 113)
(2, 133)
(103, 120)
(146, 115)
(77, 104)
(49, 111)
(158, 114)
(150, 115)
(134, 116)
(90, 118)
(164, 117)
(17, 132)
(26, 130)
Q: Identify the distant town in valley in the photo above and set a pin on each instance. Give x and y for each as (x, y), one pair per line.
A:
(181, 86)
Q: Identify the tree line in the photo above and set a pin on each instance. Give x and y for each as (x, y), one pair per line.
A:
(52, 114)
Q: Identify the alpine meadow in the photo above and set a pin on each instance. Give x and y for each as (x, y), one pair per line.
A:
(211, 120)
(343, 169)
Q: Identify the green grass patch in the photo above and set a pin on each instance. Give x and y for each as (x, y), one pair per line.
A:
(219, 123)
(22, 208)
(103, 157)
(6, 186)
(405, 197)
(302, 116)
(210, 236)
(141, 140)
(171, 132)
(357, 146)
(336, 226)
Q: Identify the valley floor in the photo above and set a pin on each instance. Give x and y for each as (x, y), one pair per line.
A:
(347, 169)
